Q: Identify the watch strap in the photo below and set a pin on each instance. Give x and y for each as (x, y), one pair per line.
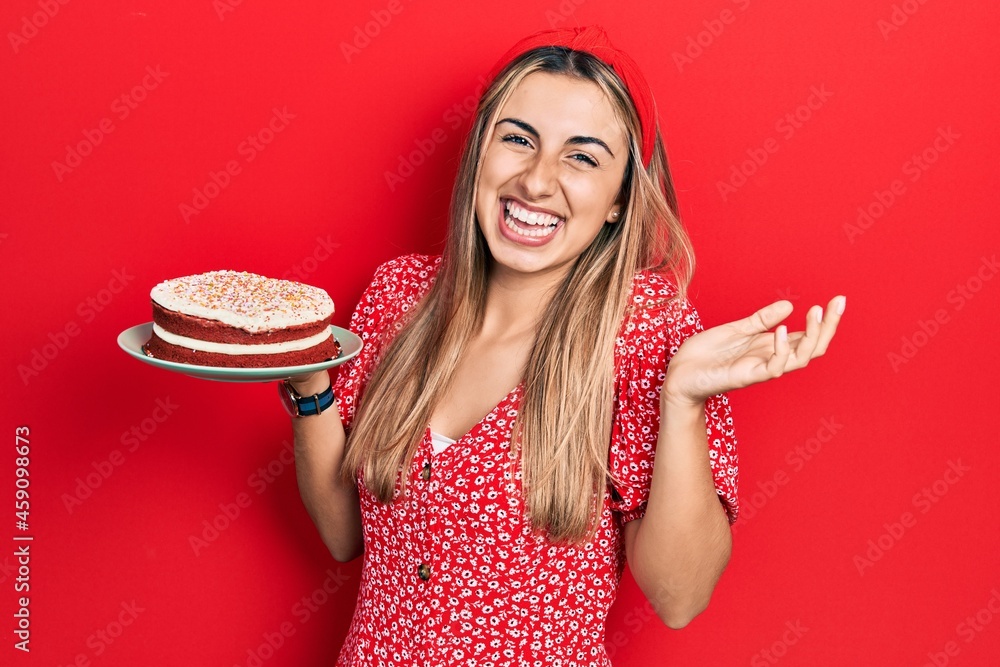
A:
(315, 404)
(309, 405)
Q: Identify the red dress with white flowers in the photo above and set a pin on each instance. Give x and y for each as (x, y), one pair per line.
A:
(453, 574)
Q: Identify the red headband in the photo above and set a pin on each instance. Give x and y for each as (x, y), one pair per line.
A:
(593, 40)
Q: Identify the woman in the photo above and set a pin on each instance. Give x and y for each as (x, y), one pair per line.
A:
(505, 411)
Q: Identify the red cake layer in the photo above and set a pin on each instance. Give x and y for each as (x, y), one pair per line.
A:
(160, 349)
(189, 326)
(239, 308)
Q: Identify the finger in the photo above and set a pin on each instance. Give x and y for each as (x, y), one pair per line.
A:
(803, 350)
(834, 311)
(763, 344)
(766, 318)
(777, 363)
(795, 336)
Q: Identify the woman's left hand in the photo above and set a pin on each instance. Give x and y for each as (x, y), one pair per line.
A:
(745, 352)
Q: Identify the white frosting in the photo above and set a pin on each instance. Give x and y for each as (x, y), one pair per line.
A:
(244, 300)
(232, 348)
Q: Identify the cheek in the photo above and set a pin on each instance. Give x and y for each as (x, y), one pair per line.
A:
(486, 196)
(608, 191)
(590, 195)
(497, 168)
(496, 172)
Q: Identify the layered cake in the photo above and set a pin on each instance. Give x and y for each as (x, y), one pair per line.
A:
(240, 320)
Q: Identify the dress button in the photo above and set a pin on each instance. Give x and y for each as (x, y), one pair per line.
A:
(424, 571)
(425, 474)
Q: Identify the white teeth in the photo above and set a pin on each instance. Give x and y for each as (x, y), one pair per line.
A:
(533, 233)
(539, 232)
(531, 217)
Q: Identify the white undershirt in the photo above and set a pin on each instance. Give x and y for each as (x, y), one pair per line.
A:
(440, 442)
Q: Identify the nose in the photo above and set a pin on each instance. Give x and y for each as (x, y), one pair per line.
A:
(538, 179)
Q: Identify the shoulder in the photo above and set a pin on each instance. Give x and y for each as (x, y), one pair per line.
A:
(652, 285)
(657, 314)
(407, 274)
(397, 285)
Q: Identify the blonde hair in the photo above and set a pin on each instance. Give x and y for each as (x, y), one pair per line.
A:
(563, 428)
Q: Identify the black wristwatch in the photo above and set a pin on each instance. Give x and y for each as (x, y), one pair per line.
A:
(303, 406)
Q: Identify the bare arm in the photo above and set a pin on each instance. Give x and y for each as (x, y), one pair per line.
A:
(678, 550)
(319, 451)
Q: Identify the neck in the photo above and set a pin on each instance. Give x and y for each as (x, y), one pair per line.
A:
(515, 302)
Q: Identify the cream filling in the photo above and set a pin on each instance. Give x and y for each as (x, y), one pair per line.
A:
(233, 348)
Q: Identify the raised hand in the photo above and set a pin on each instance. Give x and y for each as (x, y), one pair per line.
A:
(746, 351)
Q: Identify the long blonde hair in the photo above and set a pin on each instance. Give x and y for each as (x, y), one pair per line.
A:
(563, 427)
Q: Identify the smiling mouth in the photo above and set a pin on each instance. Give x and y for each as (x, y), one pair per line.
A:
(527, 223)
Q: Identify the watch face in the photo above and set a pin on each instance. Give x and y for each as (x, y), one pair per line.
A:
(288, 399)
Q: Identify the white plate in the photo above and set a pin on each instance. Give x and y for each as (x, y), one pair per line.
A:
(132, 339)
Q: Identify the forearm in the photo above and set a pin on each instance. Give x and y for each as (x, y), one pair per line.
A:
(682, 544)
(333, 505)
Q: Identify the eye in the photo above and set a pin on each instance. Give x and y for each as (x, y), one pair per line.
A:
(585, 159)
(518, 139)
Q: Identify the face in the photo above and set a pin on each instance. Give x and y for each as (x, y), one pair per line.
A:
(551, 175)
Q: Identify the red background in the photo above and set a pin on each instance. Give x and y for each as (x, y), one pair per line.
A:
(316, 204)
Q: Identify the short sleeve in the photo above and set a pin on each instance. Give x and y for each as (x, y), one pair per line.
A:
(650, 336)
(396, 287)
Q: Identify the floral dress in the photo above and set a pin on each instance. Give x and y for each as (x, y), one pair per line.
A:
(453, 574)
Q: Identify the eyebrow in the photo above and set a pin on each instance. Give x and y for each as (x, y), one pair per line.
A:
(574, 140)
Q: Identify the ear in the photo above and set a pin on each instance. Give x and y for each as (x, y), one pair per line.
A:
(615, 214)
